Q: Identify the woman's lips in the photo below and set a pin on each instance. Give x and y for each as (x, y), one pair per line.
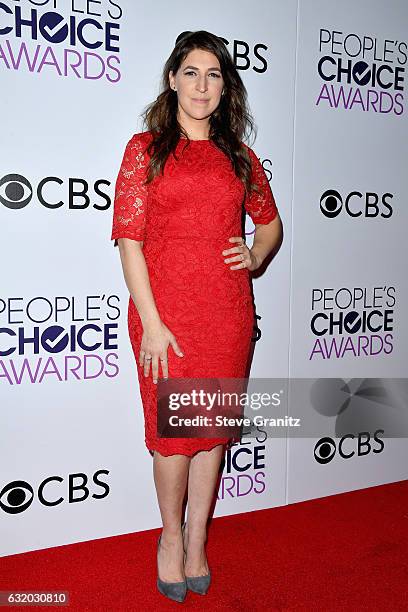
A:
(199, 101)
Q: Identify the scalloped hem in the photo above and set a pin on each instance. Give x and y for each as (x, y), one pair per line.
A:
(186, 450)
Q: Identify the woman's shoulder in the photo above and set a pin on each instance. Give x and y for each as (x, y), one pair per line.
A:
(138, 145)
(141, 138)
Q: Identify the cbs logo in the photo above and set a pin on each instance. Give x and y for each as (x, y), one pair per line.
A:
(16, 192)
(17, 496)
(242, 56)
(349, 446)
(355, 204)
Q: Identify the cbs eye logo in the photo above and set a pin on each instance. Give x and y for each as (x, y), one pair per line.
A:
(355, 204)
(17, 496)
(324, 450)
(15, 191)
(331, 203)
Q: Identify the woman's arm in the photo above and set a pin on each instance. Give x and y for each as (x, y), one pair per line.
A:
(261, 207)
(267, 236)
(137, 280)
(156, 335)
(265, 239)
(128, 230)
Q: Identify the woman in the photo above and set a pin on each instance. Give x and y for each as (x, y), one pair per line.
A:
(177, 220)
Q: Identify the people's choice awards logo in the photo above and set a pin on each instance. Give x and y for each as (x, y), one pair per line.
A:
(62, 38)
(59, 338)
(361, 72)
(352, 322)
(243, 471)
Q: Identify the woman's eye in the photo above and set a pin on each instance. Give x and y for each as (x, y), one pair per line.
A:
(211, 73)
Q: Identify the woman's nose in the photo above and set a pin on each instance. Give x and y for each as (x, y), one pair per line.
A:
(202, 84)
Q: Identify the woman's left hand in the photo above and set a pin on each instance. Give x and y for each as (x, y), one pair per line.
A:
(245, 257)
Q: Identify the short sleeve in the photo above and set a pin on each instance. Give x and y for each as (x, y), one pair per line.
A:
(260, 205)
(130, 202)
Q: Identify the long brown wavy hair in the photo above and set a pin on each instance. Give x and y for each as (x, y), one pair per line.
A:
(230, 123)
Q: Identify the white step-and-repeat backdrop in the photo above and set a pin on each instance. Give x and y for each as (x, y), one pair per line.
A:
(326, 85)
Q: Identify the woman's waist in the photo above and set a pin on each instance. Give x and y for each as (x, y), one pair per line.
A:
(160, 238)
(199, 272)
(183, 255)
(185, 243)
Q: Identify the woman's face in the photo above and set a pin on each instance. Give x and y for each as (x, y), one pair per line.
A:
(199, 84)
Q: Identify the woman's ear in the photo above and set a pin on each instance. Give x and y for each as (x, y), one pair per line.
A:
(171, 80)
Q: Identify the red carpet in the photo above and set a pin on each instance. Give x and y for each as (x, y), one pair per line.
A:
(344, 552)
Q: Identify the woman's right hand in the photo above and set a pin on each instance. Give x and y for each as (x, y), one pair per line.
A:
(155, 341)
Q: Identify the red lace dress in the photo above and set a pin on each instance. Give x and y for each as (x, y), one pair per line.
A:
(185, 218)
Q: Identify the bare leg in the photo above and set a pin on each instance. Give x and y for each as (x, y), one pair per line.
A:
(170, 477)
(202, 479)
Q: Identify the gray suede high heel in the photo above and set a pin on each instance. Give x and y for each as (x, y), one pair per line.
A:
(197, 584)
(173, 590)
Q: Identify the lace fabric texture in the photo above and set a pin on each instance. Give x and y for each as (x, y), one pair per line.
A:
(185, 218)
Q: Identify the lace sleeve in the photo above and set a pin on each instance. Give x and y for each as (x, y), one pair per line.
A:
(129, 209)
(261, 205)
